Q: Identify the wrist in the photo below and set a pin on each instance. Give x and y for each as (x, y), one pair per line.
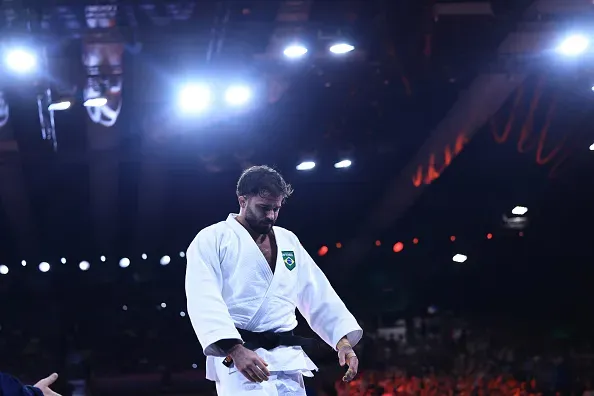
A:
(233, 350)
(344, 342)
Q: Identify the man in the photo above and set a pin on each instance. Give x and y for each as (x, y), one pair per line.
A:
(245, 277)
(10, 386)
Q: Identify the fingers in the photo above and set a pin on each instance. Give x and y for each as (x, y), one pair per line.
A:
(341, 358)
(261, 364)
(255, 374)
(47, 381)
(353, 369)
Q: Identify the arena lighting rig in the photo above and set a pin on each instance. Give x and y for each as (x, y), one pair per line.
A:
(25, 42)
(519, 212)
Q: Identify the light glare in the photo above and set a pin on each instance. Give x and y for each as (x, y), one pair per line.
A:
(44, 267)
(459, 258)
(21, 61)
(295, 51)
(519, 210)
(165, 260)
(194, 98)
(341, 48)
(96, 102)
(3, 270)
(343, 164)
(574, 45)
(237, 96)
(307, 165)
(125, 262)
(84, 265)
(59, 106)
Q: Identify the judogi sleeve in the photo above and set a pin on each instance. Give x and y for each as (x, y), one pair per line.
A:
(10, 386)
(204, 284)
(323, 309)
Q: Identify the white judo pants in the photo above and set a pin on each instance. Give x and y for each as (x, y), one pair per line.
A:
(279, 383)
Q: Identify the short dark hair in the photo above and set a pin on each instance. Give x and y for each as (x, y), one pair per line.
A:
(263, 180)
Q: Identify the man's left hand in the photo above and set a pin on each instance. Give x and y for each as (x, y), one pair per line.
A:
(346, 355)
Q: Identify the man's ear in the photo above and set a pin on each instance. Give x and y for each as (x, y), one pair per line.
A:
(242, 201)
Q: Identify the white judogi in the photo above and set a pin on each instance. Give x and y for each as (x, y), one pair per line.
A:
(229, 285)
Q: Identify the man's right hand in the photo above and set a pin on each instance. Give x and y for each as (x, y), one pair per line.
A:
(252, 366)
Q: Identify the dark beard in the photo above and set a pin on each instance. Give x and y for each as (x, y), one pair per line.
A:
(257, 226)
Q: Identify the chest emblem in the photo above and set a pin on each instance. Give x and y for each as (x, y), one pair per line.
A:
(289, 259)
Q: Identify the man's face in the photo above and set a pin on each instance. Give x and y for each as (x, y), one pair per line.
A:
(261, 212)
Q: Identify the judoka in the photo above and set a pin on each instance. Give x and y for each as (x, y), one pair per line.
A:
(244, 278)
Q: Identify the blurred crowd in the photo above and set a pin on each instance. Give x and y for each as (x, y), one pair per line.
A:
(432, 355)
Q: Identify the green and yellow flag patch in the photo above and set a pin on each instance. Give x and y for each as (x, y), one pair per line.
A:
(289, 259)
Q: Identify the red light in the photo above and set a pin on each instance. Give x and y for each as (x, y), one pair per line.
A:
(378, 243)
(415, 240)
(489, 236)
(398, 246)
(323, 251)
(338, 245)
(453, 238)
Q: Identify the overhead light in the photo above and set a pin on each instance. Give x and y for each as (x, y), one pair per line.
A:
(3, 270)
(95, 102)
(307, 165)
(144, 256)
(60, 106)
(44, 267)
(295, 51)
(165, 260)
(103, 258)
(24, 263)
(519, 210)
(194, 98)
(84, 265)
(63, 260)
(592, 147)
(341, 48)
(459, 258)
(21, 61)
(343, 164)
(182, 254)
(125, 262)
(573, 45)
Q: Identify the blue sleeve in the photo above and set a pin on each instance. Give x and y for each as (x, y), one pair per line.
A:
(10, 386)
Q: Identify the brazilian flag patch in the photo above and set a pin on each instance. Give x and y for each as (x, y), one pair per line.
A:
(289, 259)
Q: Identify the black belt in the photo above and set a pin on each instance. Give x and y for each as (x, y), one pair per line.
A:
(269, 340)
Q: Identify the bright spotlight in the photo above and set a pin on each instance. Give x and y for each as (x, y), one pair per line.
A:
(44, 267)
(194, 98)
(182, 314)
(341, 48)
(307, 165)
(125, 262)
(144, 256)
(519, 210)
(24, 263)
(182, 254)
(343, 164)
(237, 96)
(295, 51)
(459, 258)
(21, 61)
(592, 147)
(96, 102)
(102, 258)
(165, 260)
(574, 45)
(59, 106)
(3, 270)
(84, 265)
(163, 305)
(63, 260)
